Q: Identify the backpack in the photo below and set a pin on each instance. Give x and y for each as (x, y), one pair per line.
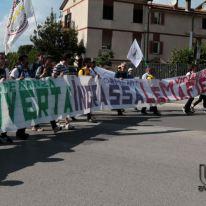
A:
(83, 71)
(2, 73)
(21, 72)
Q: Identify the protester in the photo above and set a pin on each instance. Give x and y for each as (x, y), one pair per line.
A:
(130, 74)
(187, 108)
(149, 75)
(4, 71)
(20, 72)
(87, 71)
(92, 69)
(4, 75)
(61, 69)
(46, 70)
(38, 63)
(201, 98)
(121, 74)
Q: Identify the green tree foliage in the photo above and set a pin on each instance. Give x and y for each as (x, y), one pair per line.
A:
(203, 54)
(104, 58)
(52, 39)
(182, 56)
(187, 56)
(12, 59)
(28, 50)
(25, 49)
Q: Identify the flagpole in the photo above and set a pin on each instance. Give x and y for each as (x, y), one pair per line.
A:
(35, 19)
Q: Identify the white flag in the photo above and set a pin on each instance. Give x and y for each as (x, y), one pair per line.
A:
(21, 11)
(173, 2)
(135, 54)
(104, 73)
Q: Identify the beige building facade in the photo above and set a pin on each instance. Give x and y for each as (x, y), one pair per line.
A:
(114, 24)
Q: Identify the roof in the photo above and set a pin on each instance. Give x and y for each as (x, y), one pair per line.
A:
(63, 4)
(199, 7)
(171, 8)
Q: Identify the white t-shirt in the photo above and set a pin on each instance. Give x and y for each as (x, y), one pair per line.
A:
(144, 76)
(15, 73)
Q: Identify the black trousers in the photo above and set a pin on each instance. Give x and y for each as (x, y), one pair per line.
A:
(152, 109)
(20, 131)
(53, 124)
(201, 98)
(188, 105)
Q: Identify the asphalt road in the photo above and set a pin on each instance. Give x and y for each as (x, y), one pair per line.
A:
(132, 160)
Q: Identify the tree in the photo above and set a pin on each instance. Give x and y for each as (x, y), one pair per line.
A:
(183, 56)
(25, 49)
(12, 59)
(54, 40)
(104, 58)
(188, 56)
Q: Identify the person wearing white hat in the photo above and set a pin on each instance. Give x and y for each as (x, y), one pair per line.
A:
(130, 74)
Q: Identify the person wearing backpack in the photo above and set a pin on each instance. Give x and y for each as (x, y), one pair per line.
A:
(46, 70)
(4, 75)
(39, 62)
(61, 69)
(149, 75)
(20, 72)
(87, 70)
(201, 98)
(121, 74)
(187, 108)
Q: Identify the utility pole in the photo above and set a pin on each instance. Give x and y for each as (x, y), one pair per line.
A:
(147, 31)
(192, 32)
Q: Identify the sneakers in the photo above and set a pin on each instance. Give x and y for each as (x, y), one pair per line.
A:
(192, 109)
(144, 113)
(69, 127)
(22, 136)
(157, 113)
(92, 120)
(73, 119)
(119, 113)
(1, 140)
(57, 129)
(5, 138)
(189, 112)
(37, 129)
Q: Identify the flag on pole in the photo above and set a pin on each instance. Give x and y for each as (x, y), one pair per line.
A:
(135, 54)
(173, 2)
(21, 11)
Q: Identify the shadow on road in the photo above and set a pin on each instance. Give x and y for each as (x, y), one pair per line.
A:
(40, 148)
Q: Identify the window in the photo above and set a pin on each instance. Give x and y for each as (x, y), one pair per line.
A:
(106, 39)
(156, 47)
(157, 18)
(204, 23)
(108, 9)
(138, 37)
(138, 14)
(68, 20)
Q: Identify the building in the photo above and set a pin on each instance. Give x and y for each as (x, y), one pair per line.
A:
(114, 24)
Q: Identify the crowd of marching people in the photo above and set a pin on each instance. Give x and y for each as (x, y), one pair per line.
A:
(45, 66)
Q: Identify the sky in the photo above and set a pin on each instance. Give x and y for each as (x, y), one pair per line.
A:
(42, 10)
